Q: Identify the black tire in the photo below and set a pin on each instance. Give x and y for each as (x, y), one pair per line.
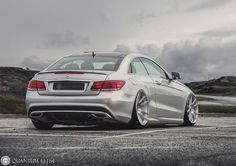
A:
(42, 125)
(187, 122)
(134, 122)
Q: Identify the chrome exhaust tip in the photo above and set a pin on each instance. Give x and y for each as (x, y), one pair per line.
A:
(104, 115)
(36, 115)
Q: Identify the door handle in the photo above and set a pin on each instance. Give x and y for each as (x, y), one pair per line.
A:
(157, 82)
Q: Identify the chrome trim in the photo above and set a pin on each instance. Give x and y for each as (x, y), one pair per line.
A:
(32, 115)
(71, 111)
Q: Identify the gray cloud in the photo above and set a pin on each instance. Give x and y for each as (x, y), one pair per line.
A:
(54, 39)
(122, 48)
(35, 63)
(206, 4)
(142, 17)
(104, 18)
(75, 26)
(149, 49)
(219, 33)
(195, 60)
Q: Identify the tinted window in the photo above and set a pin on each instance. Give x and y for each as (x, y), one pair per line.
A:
(106, 63)
(153, 68)
(137, 67)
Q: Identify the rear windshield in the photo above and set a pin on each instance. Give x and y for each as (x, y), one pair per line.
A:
(106, 63)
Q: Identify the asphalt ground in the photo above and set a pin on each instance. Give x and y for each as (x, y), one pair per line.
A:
(212, 141)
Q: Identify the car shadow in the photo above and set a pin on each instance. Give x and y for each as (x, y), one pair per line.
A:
(109, 127)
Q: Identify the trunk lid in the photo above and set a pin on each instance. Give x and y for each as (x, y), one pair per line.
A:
(71, 83)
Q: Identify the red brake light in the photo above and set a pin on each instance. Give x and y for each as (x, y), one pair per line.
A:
(36, 85)
(69, 72)
(108, 85)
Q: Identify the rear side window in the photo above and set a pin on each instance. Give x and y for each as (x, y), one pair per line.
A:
(106, 63)
(137, 67)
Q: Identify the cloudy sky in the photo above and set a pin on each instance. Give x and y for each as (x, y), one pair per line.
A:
(194, 37)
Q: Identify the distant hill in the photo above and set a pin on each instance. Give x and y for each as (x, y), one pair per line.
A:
(225, 86)
(14, 80)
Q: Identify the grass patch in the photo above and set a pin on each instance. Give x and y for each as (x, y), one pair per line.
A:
(216, 109)
(201, 98)
(12, 105)
(220, 91)
(229, 94)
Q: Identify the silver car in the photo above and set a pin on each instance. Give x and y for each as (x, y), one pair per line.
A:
(109, 87)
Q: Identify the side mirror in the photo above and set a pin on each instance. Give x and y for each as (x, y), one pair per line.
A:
(175, 75)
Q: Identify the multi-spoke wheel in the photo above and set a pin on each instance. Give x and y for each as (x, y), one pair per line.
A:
(191, 111)
(140, 112)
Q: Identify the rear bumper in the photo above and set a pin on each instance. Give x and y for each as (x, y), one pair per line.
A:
(113, 105)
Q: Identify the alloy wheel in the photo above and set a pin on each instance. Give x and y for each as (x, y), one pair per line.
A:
(192, 109)
(142, 108)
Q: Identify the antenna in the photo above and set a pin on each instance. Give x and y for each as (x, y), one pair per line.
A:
(93, 54)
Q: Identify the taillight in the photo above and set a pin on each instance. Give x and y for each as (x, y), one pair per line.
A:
(108, 85)
(36, 85)
(69, 72)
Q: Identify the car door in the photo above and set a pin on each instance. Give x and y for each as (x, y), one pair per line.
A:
(140, 78)
(168, 98)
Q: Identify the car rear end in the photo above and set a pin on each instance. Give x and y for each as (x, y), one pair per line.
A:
(78, 89)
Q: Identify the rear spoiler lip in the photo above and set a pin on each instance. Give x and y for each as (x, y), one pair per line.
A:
(71, 72)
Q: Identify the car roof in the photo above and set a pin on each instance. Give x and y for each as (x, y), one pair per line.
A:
(113, 54)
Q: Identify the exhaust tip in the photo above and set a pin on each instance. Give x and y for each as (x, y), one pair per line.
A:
(101, 115)
(36, 114)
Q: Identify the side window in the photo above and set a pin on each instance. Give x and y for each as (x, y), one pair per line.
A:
(153, 68)
(71, 65)
(137, 67)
